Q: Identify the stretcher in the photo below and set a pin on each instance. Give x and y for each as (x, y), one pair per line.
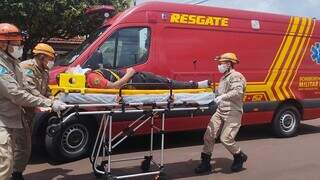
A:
(149, 103)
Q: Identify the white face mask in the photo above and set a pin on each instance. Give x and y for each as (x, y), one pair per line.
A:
(222, 68)
(50, 64)
(17, 52)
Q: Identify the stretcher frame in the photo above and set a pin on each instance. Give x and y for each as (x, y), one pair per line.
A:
(105, 142)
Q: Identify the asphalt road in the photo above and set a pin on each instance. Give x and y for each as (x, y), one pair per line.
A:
(270, 158)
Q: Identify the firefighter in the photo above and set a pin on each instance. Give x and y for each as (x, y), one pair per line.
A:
(13, 96)
(227, 118)
(36, 73)
(37, 69)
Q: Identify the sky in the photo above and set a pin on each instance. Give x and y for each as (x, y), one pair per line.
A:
(308, 8)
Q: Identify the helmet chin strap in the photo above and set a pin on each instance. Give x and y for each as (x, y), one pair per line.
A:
(40, 61)
(228, 70)
(7, 50)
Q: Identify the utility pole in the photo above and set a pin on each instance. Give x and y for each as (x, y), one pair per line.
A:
(202, 1)
(195, 1)
(133, 3)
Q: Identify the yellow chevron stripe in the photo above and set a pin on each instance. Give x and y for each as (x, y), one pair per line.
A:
(277, 54)
(267, 85)
(288, 64)
(303, 54)
(282, 59)
(280, 49)
(295, 61)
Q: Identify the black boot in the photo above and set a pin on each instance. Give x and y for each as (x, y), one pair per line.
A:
(238, 161)
(205, 165)
(16, 176)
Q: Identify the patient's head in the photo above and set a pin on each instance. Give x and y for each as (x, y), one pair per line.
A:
(77, 70)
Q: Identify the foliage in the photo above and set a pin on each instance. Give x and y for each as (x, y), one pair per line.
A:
(44, 19)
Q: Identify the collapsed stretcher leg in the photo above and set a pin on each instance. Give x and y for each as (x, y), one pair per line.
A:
(110, 177)
(94, 150)
(105, 142)
(109, 145)
(101, 170)
(162, 139)
(103, 167)
(151, 134)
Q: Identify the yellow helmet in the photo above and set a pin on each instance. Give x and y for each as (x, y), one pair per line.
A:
(42, 48)
(228, 57)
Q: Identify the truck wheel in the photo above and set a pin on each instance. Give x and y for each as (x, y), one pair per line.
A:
(71, 141)
(286, 121)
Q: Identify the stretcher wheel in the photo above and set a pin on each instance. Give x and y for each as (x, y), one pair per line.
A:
(161, 176)
(96, 174)
(145, 164)
(110, 177)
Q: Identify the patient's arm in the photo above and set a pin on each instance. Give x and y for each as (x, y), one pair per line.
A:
(125, 79)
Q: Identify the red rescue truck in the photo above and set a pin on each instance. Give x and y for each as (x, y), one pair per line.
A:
(279, 56)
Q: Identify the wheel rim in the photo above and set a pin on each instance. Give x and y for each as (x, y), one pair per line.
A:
(75, 138)
(288, 121)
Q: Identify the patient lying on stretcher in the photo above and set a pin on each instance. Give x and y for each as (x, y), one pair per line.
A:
(114, 79)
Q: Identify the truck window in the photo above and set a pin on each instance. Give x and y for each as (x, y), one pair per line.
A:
(107, 50)
(124, 48)
(73, 55)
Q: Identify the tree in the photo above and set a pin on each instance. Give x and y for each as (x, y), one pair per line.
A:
(44, 19)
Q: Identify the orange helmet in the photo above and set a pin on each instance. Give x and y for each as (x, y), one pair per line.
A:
(228, 57)
(9, 32)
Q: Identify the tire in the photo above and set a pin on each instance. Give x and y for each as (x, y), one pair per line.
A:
(72, 141)
(38, 130)
(286, 121)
